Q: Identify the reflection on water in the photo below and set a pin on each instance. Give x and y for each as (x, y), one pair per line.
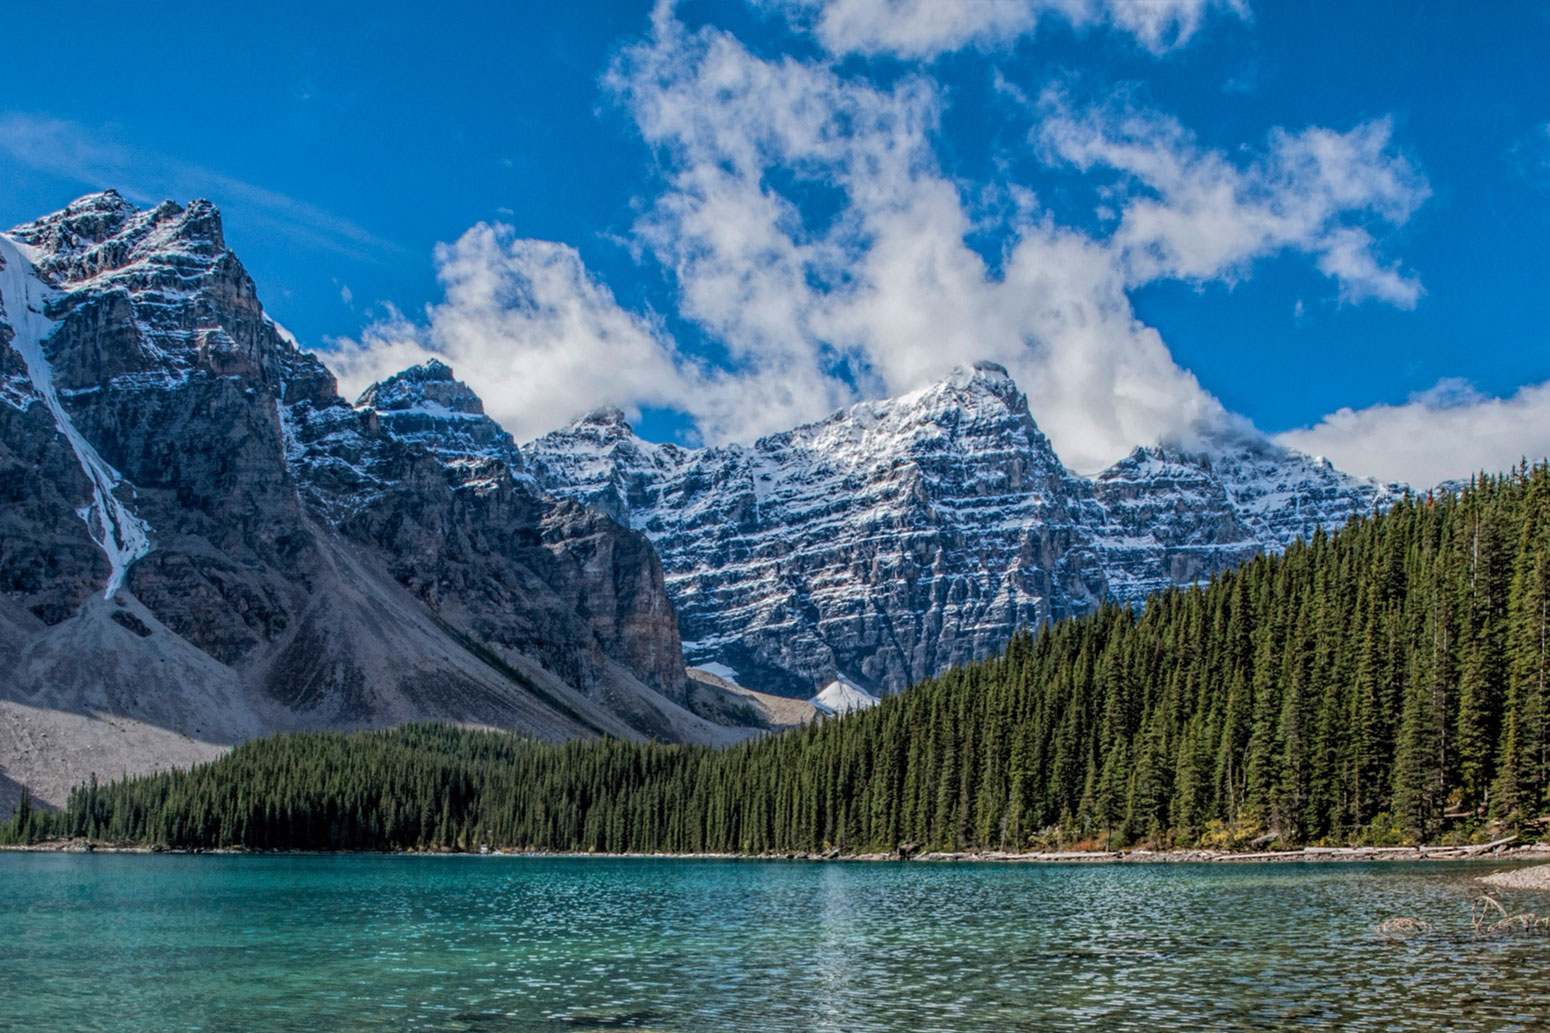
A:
(516, 945)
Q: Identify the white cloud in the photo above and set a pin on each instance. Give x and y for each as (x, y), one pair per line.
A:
(1448, 432)
(536, 336)
(813, 235)
(887, 289)
(1161, 25)
(1197, 215)
(926, 28)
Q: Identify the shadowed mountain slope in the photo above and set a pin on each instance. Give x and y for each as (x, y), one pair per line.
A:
(203, 542)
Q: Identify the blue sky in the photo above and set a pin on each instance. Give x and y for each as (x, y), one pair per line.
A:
(1327, 219)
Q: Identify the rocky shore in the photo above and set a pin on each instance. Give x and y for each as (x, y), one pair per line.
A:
(1535, 878)
(1500, 850)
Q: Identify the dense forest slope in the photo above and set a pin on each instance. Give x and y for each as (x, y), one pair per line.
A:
(1385, 683)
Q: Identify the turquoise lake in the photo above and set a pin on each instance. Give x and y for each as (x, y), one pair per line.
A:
(162, 943)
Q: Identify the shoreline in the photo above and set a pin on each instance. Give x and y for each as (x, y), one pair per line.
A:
(1534, 878)
(1496, 852)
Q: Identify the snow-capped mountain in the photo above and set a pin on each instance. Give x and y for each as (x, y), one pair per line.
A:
(897, 538)
(427, 406)
(200, 541)
(887, 542)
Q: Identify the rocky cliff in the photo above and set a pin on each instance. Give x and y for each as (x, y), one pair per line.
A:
(201, 541)
(897, 538)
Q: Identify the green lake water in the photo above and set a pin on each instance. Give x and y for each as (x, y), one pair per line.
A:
(510, 945)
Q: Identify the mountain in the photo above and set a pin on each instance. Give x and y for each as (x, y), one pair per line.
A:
(897, 538)
(201, 541)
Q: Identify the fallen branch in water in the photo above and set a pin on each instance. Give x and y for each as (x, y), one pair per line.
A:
(1357, 853)
(1523, 923)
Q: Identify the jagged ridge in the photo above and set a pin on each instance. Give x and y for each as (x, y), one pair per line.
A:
(897, 538)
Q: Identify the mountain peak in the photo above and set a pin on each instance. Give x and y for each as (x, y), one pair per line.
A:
(981, 393)
(104, 233)
(605, 415)
(108, 200)
(431, 369)
(428, 385)
(897, 537)
(200, 223)
(605, 424)
(82, 223)
(983, 370)
(983, 380)
(428, 407)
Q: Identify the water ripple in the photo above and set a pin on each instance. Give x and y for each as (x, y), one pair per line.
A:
(545, 945)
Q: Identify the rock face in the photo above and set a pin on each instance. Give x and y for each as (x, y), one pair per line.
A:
(897, 538)
(200, 539)
(889, 541)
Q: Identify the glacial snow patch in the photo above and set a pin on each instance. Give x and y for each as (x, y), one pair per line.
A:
(122, 535)
(721, 671)
(841, 696)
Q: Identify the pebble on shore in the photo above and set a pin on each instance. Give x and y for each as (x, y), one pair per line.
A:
(1535, 878)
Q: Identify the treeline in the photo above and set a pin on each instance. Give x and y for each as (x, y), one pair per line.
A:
(1382, 684)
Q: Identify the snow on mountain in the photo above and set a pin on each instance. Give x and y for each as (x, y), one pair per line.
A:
(424, 408)
(316, 564)
(893, 539)
(427, 406)
(899, 537)
(721, 671)
(122, 536)
(1284, 495)
(1168, 521)
(841, 696)
(1176, 516)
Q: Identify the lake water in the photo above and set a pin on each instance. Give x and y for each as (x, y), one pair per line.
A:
(511, 945)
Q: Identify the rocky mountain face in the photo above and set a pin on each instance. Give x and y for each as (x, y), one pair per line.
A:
(897, 538)
(201, 541)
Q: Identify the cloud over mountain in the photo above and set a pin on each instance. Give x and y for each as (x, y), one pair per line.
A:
(804, 215)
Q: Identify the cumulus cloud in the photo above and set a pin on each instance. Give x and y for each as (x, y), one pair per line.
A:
(885, 289)
(926, 28)
(1448, 432)
(812, 234)
(531, 330)
(1198, 215)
